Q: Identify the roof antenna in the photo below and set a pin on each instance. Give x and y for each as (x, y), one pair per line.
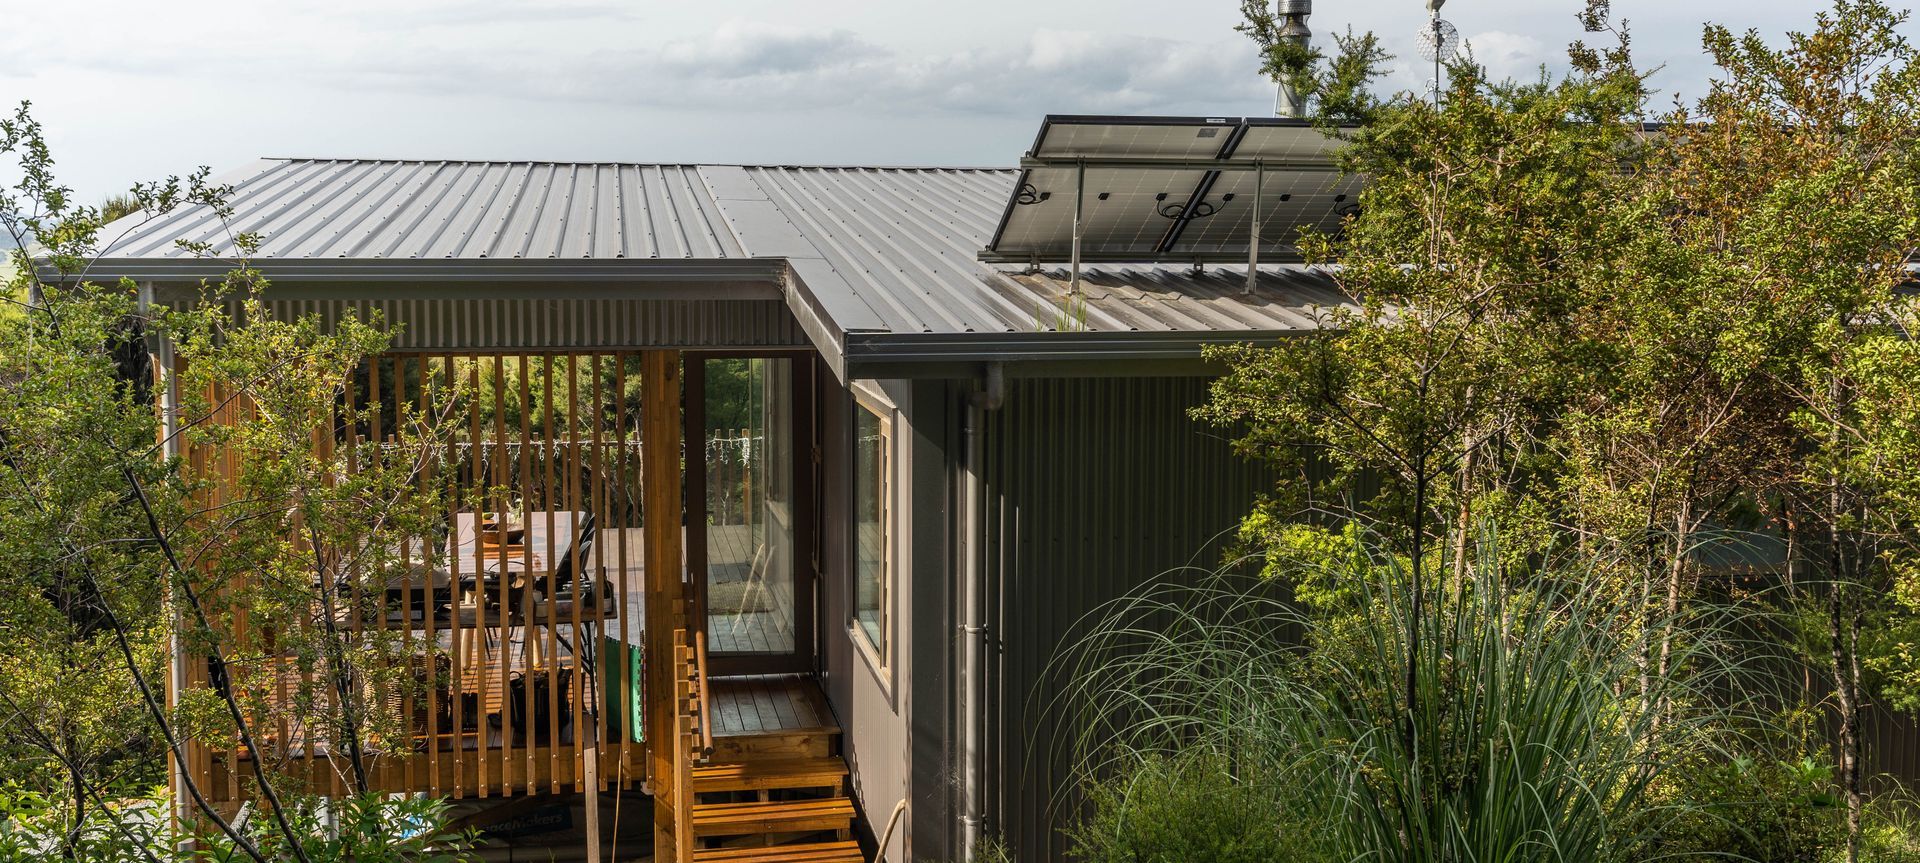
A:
(1437, 43)
(1293, 28)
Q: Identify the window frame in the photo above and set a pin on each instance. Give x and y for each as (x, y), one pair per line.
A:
(879, 657)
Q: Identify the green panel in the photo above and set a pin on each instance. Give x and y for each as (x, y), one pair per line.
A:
(624, 688)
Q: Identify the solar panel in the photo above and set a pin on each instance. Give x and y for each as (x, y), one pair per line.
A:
(1277, 139)
(1154, 189)
(1076, 137)
(1289, 201)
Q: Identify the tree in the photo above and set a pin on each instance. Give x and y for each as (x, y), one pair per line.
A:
(1794, 195)
(1450, 365)
(108, 547)
(1620, 337)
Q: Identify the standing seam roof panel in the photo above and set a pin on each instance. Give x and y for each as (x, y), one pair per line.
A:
(333, 210)
(278, 190)
(872, 247)
(445, 206)
(949, 246)
(901, 243)
(150, 236)
(823, 238)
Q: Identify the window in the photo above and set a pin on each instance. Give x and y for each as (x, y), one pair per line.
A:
(872, 522)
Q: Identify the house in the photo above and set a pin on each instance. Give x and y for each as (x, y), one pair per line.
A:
(933, 416)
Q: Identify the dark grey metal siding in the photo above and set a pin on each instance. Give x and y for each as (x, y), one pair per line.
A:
(1093, 487)
(561, 324)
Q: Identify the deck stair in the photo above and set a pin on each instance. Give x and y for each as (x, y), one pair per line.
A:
(772, 817)
(771, 774)
(815, 852)
(763, 779)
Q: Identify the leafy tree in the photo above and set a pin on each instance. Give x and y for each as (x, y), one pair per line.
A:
(109, 547)
(1452, 362)
(1793, 197)
(1621, 337)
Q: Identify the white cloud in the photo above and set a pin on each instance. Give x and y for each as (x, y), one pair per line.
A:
(132, 88)
(1512, 55)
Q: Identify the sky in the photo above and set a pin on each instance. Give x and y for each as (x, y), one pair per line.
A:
(134, 89)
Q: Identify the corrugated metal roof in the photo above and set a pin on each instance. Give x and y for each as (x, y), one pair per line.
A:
(875, 260)
(907, 242)
(381, 209)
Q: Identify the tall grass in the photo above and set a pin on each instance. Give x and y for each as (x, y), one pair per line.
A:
(1538, 736)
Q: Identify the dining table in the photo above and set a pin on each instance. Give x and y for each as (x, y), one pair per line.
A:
(472, 562)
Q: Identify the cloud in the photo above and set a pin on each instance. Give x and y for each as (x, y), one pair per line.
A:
(588, 53)
(1511, 55)
(1050, 70)
(738, 50)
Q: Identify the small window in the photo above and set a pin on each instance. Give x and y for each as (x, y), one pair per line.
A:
(872, 523)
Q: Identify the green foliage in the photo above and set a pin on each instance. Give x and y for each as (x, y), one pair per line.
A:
(1892, 832)
(1338, 87)
(1458, 349)
(109, 541)
(1771, 810)
(367, 829)
(1189, 807)
(1619, 340)
(83, 617)
(1535, 736)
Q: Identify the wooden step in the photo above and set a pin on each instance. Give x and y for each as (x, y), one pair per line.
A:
(812, 852)
(812, 742)
(770, 774)
(784, 816)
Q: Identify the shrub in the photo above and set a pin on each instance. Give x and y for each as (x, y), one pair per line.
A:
(1187, 808)
(1891, 833)
(1768, 810)
(1535, 733)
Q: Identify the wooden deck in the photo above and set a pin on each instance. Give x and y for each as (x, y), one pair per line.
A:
(768, 704)
(760, 618)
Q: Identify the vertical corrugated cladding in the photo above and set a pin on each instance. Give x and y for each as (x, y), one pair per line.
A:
(1093, 487)
(550, 324)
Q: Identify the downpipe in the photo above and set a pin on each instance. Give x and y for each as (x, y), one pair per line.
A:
(989, 396)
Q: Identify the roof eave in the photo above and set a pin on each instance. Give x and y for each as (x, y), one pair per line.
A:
(872, 354)
(436, 271)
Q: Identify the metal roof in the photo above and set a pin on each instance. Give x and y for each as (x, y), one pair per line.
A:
(877, 264)
(379, 209)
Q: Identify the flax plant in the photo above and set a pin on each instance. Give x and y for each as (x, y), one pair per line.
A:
(1533, 739)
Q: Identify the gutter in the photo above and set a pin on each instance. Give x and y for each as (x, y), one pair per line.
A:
(990, 395)
(867, 348)
(628, 271)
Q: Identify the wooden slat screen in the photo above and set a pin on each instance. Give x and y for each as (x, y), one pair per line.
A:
(503, 642)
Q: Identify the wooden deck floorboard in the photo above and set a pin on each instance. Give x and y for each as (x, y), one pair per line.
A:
(762, 704)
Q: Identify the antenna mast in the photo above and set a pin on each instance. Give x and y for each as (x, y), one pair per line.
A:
(1437, 43)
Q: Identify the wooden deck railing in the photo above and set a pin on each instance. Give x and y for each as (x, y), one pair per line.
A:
(504, 643)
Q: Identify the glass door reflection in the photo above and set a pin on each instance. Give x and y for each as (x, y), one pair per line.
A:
(750, 524)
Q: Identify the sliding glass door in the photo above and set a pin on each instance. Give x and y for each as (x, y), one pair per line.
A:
(757, 603)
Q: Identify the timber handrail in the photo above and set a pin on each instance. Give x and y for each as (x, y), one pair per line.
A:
(701, 692)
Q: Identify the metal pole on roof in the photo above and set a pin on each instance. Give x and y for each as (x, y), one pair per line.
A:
(1293, 29)
(1253, 237)
(1079, 204)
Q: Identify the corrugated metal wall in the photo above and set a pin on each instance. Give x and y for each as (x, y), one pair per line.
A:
(559, 324)
(1892, 743)
(1094, 487)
